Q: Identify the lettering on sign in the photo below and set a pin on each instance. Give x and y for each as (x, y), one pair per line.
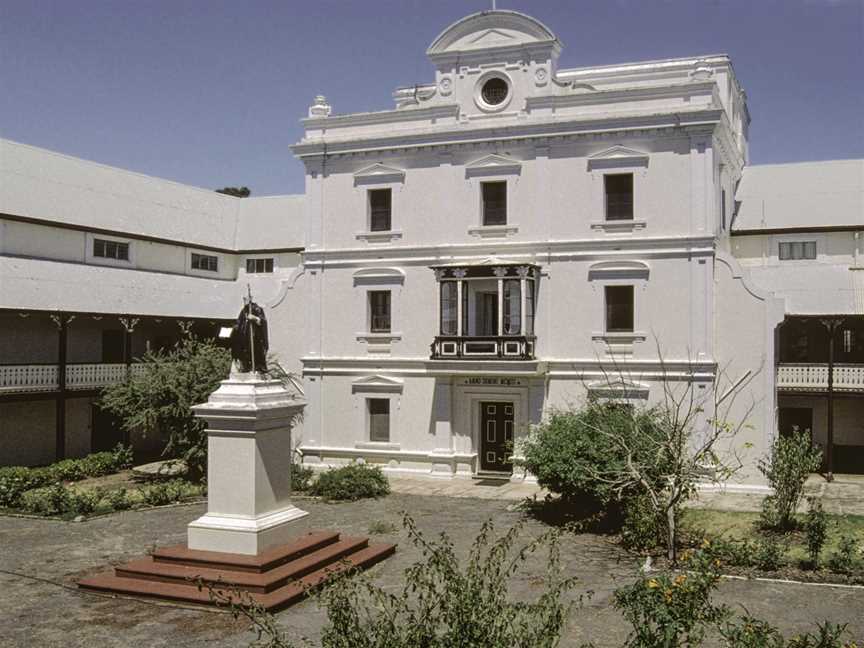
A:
(493, 382)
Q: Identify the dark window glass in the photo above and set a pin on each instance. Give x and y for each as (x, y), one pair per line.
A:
(205, 262)
(797, 250)
(723, 209)
(512, 307)
(494, 91)
(379, 311)
(619, 308)
(379, 419)
(529, 308)
(112, 345)
(259, 265)
(449, 292)
(380, 210)
(619, 196)
(110, 249)
(494, 203)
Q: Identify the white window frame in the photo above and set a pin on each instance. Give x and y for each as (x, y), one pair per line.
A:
(368, 402)
(373, 279)
(220, 263)
(618, 273)
(379, 176)
(248, 259)
(801, 237)
(206, 255)
(376, 386)
(120, 263)
(599, 168)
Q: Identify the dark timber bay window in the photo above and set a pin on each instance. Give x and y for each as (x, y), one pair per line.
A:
(619, 309)
(380, 202)
(379, 419)
(205, 262)
(110, 250)
(494, 203)
(619, 196)
(379, 311)
(257, 266)
(797, 250)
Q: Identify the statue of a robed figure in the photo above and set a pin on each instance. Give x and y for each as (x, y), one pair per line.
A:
(249, 340)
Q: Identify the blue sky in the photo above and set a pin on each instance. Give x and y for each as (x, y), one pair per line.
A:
(209, 93)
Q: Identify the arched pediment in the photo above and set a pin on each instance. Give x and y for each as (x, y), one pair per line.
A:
(379, 276)
(619, 269)
(492, 30)
(618, 389)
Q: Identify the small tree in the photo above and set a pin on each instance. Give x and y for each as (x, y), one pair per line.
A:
(791, 460)
(693, 442)
(159, 398)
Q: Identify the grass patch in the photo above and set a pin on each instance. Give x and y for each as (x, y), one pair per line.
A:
(739, 525)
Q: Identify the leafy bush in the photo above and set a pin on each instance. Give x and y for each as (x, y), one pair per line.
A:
(15, 480)
(301, 477)
(845, 559)
(570, 448)
(738, 553)
(768, 554)
(107, 463)
(352, 482)
(791, 461)
(67, 470)
(118, 499)
(84, 502)
(158, 399)
(48, 500)
(667, 611)
(443, 604)
(641, 530)
(159, 494)
(816, 527)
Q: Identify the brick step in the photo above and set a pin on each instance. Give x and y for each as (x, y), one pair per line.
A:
(166, 572)
(307, 543)
(278, 598)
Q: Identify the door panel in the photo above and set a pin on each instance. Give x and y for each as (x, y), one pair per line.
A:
(496, 436)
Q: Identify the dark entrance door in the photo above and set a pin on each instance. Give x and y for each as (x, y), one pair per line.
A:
(791, 418)
(107, 432)
(496, 436)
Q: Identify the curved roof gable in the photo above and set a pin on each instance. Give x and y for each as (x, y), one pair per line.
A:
(492, 30)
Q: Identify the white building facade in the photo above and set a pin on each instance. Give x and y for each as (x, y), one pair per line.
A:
(511, 238)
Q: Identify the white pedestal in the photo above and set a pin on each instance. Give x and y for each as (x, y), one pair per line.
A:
(249, 421)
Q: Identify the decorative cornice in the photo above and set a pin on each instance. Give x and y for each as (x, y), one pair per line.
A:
(539, 132)
(382, 117)
(633, 93)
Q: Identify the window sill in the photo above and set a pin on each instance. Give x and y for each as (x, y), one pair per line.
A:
(378, 338)
(378, 445)
(379, 237)
(623, 337)
(493, 231)
(618, 226)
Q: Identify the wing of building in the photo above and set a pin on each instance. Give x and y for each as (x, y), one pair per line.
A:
(511, 237)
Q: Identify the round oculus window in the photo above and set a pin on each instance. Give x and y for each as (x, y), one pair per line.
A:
(494, 91)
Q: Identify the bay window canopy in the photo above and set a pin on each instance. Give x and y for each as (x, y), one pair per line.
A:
(486, 310)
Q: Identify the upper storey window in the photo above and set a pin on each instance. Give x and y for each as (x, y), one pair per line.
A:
(618, 188)
(110, 249)
(258, 266)
(380, 210)
(797, 250)
(494, 195)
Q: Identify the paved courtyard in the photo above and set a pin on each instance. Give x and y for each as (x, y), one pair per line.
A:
(42, 608)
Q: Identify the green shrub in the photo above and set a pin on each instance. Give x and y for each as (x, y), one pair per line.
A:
(15, 480)
(768, 554)
(118, 499)
(48, 500)
(168, 492)
(845, 559)
(301, 477)
(569, 449)
(738, 553)
(750, 632)
(123, 457)
(352, 482)
(84, 502)
(641, 530)
(668, 610)
(816, 527)
(791, 461)
(68, 470)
